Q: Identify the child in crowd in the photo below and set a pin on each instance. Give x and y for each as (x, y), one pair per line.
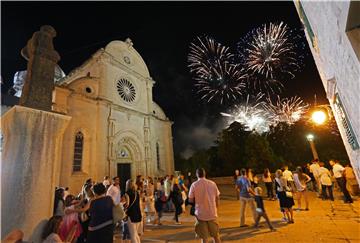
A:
(71, 218)
(260, 209)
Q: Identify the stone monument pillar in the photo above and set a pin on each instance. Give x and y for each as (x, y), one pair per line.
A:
(42, 59)
(31, 147)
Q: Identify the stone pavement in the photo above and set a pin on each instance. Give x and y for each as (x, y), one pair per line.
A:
(325, 222)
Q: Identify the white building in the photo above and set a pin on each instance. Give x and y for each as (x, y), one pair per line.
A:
(333, 31)
(116, 128)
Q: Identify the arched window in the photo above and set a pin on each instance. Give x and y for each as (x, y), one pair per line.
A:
(158, 156)
(78, 151)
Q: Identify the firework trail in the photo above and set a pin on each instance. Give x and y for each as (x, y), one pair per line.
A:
(251, 114)
(289, 110)
(268, 54)
(217, 77)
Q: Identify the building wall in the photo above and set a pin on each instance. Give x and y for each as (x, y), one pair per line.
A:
(109, 123)
(330, 31)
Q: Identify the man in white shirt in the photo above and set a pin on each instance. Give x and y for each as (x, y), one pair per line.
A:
(114, 191)
(314, 167)
(106, 182)
(339, 176)
(205, 194)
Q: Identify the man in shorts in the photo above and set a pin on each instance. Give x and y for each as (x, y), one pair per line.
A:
(205, 194)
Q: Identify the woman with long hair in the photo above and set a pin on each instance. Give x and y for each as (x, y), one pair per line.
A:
(101, 217)
(71, 217)
(51, 230)
(59, 203)
(300, 180)
(285, 198)
(268, 183)
(133, 211)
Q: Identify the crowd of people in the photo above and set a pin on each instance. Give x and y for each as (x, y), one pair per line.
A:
(89, 215)
(100, 209)
(292, 186)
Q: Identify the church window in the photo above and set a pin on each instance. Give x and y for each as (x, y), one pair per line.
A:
(78, 151)
(88, 90)
(158, 156)
(126, 90)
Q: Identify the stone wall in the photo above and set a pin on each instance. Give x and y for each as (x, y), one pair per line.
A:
(336, 60)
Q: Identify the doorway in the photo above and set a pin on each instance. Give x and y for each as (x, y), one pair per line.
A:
(124, 173)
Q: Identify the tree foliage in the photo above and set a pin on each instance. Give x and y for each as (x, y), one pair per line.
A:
(285, 144)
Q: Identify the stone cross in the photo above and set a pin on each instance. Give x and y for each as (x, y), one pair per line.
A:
(42, 58)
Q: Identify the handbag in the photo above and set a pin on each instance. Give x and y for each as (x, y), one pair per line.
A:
(289, 194)
(118, 213)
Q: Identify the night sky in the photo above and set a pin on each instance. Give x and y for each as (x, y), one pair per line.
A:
(161, 33)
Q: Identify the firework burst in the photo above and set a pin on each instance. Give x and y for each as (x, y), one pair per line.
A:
(216, 75)
(251, 114)
(268, 54)
(289, 110)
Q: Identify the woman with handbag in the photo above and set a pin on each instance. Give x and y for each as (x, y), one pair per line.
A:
(285, 196)
(301, 179)
(101, 216)
(133, 211)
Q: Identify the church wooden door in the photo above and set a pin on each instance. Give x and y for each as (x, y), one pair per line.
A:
(124, 172)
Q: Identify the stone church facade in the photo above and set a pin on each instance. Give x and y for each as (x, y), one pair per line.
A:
(116, 128)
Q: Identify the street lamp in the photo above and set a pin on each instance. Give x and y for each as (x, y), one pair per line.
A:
(319, 117)
(310, 138)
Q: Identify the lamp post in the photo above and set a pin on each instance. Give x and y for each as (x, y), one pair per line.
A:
(310, 138)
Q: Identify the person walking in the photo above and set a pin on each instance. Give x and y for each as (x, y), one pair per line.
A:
(205, 194)
(133, 211)
(326, 183)
(340, 178)
(314, 167)
(101, 220)
(285, 196)
(268, 184)
(351, 183)
(301, 179)
(244, 188)
(260, 209)
(177, 199)
(160, 200)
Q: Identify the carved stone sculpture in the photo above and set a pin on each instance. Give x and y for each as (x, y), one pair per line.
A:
(42, 58)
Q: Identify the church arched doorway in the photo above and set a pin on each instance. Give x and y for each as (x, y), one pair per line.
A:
(124, 166)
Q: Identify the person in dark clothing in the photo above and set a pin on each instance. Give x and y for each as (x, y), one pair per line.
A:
(260, 209)
(101, 221)
(132, 208)
(176, 198)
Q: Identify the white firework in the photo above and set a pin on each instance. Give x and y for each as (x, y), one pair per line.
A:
(289, 110)
(251, 114)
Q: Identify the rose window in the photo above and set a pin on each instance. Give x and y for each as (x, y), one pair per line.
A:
(126, 90)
